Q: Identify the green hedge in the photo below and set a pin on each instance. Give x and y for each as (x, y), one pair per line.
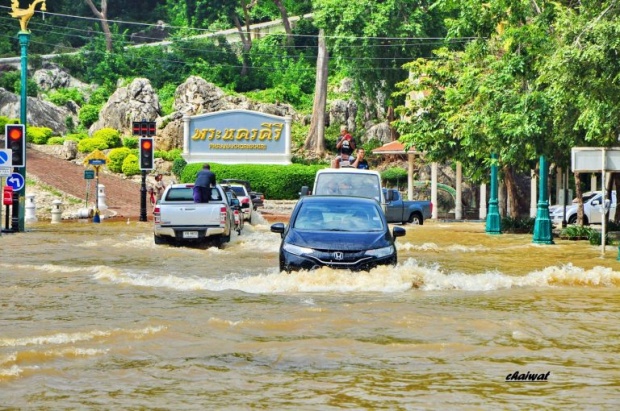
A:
(38, 135)
(116, 157)
(274, 181)
(130, 165)
(111, 136)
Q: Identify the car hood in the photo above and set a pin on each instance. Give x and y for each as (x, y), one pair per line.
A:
(338, 240)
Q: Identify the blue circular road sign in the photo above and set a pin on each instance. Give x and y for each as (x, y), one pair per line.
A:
(16, 181)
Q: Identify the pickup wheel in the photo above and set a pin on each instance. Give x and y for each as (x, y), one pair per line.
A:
(159, 239)
(415, 219)
(223, 239)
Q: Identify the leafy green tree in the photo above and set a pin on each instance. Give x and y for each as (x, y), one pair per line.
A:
(372, 40)
(485, 99)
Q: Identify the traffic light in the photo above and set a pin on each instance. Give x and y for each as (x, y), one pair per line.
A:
(146, 153)
(15, 138)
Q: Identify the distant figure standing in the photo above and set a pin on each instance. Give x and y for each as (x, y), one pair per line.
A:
(159, 186)
(345, 146)
(202, 187)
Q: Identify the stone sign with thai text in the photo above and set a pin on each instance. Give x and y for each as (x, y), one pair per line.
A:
(237, 137)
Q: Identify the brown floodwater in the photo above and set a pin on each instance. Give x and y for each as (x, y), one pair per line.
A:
(95, 316)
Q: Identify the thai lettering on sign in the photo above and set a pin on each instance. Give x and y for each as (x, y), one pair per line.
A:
(268, 132)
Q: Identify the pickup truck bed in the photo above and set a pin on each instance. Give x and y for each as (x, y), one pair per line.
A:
(177, 218)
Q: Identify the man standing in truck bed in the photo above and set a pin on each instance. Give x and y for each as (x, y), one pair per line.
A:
(202, 187)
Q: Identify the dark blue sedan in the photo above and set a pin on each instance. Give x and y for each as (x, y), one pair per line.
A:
(337, 232)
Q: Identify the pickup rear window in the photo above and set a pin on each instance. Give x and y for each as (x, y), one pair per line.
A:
(187, 194)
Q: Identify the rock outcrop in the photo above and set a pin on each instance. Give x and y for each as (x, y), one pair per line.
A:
(136, 102)
(40, 113)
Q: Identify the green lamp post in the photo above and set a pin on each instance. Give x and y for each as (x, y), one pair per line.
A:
(543, 233)
(24, 16)
(493, 225)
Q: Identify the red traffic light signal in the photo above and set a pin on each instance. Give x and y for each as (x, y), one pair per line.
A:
(146, 153)
(15, 138)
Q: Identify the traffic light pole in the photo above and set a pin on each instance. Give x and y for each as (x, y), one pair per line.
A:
(143, 197)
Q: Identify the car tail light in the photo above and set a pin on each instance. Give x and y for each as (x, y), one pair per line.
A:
(156, 215)
(223, 216)
(245, 200)
(237, 218)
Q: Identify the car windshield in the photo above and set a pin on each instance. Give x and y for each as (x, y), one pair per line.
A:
(339, 217)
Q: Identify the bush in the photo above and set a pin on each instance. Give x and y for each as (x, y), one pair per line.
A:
(168, 155)
(130, 165)
(76, 137)
(90, 144)
(576, 232)
(130, 142)
(5, 120)
(38, 135)
(88, 114)
(62, 96)
(56, 141)
(177, 166)
(116, 157)
(393, 177)
(275, 181)
(111, 136)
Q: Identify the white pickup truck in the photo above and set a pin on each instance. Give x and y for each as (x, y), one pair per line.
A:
(177, 218)
(348, 181)
(592, 213)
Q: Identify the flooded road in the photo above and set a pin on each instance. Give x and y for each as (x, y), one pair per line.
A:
(95, 316)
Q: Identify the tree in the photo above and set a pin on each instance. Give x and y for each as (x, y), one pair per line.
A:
(485, 99)
(315, 139)
(370, 41)
(102, 16)
(285, 22)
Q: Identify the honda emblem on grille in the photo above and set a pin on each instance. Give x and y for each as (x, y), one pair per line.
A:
(338, 255)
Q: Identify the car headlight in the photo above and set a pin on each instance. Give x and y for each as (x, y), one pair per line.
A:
(381, 252)
(297, 250)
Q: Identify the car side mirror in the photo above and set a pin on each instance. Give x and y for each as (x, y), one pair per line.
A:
(277, 228)
(389, 196)
(305, 190)
(398, 232)
(235, 202)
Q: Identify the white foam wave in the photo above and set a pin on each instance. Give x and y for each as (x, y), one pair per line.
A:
(387, 279)
(407, 246)
(13, 371)
(52, 268)
(71, 338)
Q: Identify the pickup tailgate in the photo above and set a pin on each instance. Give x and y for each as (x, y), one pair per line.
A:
(190, 214)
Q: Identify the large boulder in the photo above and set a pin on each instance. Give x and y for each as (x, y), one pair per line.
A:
(136, 102)
(40, 113)
(343, 112)
(52, 77)
(381, 132)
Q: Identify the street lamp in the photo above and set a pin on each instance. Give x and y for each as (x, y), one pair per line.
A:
(24, 15)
